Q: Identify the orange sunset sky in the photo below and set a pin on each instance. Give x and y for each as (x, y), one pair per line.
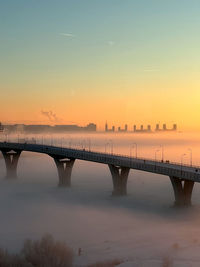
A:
(134, 62)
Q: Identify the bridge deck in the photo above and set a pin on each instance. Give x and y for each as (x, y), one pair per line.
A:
(165, 168)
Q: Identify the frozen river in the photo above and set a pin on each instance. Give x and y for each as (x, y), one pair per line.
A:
(142, 228)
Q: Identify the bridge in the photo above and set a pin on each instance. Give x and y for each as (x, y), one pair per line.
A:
(182, 177)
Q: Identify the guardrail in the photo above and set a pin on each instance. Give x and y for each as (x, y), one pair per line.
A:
(153, 161)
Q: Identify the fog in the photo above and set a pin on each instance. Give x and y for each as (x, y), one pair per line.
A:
(141, 228)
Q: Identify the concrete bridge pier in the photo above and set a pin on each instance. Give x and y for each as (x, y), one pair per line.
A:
(182, 191)
(11, 161)
(119, 177)
(64, 167)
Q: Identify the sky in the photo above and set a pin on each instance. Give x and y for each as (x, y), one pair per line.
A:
(120, 61)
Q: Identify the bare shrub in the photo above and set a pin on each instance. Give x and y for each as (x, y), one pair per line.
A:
(175, 246)
(111, 263)
(18, 261)
(47, 253)
(9, 260)
(4, 258)
(167, 262)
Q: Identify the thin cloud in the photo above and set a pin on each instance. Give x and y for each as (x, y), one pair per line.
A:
(67, 34)
(151, 70)
(111, 43)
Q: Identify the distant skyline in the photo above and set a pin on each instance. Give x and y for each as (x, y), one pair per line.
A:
(131, 61)
(106, 127)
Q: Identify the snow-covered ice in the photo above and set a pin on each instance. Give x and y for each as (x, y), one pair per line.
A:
(143, 228)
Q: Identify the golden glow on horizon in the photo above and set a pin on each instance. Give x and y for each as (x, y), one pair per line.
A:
(117, 106)
(142, 68)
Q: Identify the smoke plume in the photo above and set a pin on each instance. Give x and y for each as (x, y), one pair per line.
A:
(50, 115)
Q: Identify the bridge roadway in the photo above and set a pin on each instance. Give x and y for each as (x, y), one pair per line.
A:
(181, 176)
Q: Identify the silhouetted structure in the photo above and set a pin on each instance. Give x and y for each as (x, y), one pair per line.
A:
(175, 127)
(91, 127)
(106, 127)
(36, 128)
(149, 128)
(142, 130)
(109, 130)
(1, 127)
(164, 129)
(123, 130)
(157, 127)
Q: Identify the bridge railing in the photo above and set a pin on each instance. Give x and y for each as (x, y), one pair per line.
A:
(123, 156)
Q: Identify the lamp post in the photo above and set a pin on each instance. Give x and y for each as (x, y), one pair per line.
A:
(70, 142)
(7, 139)
(61, 142)
(133, 145)
(111, 145)
(89, 144)
(189, 149)
(157, 150)
(83, 144)
(182, 156)
(162, 147)
(106, 144)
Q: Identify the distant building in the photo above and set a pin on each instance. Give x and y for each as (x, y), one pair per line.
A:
(91, 127)
(123, 130)
(149, 128)
(109, 130)
(106, 127)
(1, 127)
(165, 129)
(142, 129)
(14, 128)
(175, 127)
(36, 128)
(157, 127)
(65, 128)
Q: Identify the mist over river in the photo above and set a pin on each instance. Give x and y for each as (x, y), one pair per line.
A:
(141, 228)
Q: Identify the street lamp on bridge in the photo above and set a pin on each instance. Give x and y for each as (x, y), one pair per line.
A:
(190, 150)
(157, 150)
(109, 143)
(182, 156)
(162, 149)
(133, 145)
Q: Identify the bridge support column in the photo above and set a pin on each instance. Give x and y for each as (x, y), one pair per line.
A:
(182, 191)
(64, 167)
(11, 161)
(119, 177)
